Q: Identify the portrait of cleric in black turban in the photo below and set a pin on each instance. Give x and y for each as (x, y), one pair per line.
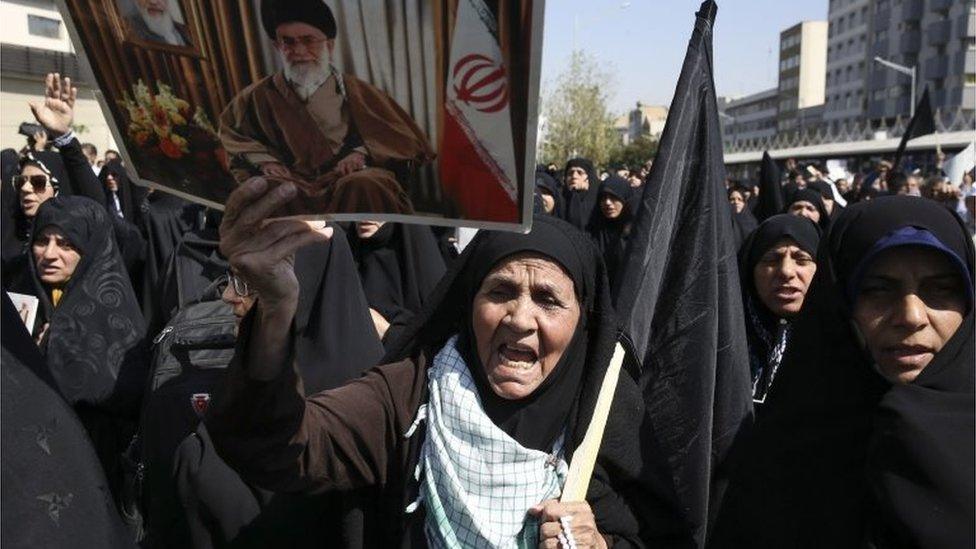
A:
(346, 145)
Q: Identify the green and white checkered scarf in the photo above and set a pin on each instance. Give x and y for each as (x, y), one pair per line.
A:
(479, 483)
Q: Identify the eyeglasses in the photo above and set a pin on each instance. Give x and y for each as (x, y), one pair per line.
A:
(308, 42)
(39, 182)
(240, 286)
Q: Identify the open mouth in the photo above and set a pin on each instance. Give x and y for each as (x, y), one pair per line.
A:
(517, 357)
(787, 292)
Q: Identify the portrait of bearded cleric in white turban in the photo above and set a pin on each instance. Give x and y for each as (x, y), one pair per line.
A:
(155, 21)
(345, 144)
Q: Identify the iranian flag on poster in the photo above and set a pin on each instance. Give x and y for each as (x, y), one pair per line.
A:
(477, 154)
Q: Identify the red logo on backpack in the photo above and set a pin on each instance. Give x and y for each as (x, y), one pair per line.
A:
(199, 402)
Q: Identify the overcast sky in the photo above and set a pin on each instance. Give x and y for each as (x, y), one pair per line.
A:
(644, 43)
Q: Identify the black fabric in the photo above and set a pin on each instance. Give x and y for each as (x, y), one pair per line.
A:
(619, 501)
(680, 304)
(771, 199)
(53, 492)
(398, 266)
(312, 12)
(330, 351)
(546, 183)
(165, 220)
(580, 207)
(611, 235)
(812, 196)
(922, 123)
(920, 460)
(743, 223)
(763, 328)
(12, 219)
(95, 344)
(130, 195)
(885, 466)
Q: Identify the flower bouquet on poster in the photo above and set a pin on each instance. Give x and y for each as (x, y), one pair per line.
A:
(176, 141)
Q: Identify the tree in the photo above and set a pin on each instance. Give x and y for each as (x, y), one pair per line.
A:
(577, 122)
(635, 153)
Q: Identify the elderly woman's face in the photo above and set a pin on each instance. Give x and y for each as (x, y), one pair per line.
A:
(805, 209)
(54, 256)
(524, 316)
(911, 301)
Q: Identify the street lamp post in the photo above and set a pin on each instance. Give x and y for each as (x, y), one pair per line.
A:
(910, 71)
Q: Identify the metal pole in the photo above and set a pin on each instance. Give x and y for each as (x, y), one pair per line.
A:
(913, 91)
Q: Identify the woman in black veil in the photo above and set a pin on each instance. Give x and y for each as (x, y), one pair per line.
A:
(867, 439)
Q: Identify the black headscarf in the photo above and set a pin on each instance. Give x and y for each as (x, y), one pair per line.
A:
(537, 420)
(94, 345)
(812, 196)
(546, 183)
(769, 336)
(130, 195)
(920, 455)
(579, 207)
(611, 235)
(399, 267)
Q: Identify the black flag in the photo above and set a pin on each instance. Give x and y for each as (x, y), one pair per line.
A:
(922, 123)
(770, 200)
(680, 305)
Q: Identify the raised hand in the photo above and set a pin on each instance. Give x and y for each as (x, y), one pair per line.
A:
(262, 252)
(260, 249)
(56, 111)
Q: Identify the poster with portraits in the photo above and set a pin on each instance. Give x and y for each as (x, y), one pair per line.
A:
(417, 111)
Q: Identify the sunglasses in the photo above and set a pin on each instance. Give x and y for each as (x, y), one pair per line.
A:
(39, 182)
(239, 284)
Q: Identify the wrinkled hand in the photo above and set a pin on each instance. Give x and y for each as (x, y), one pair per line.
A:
(353, 161)
(583, 525)
(56, 111)
(382, 325)
(275, 169)
(263, 251)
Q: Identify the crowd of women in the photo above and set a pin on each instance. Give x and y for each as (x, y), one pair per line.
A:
(385, 391)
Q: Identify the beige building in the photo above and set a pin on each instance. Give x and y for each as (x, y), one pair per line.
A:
(644, 120)
(802, 70)
(34, 42)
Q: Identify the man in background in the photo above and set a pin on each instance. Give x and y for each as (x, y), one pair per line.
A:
(91, 153)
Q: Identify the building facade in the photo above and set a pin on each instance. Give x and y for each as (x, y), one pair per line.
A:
(752, 117)
(938, 39)
(802, 67)
(33, 43)
(643, 121)
(847, 61)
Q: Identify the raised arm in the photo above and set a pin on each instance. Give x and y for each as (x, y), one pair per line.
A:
(56, 114)
(260, 422)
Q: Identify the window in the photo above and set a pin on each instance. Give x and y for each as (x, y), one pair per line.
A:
(43, 26)
(971, 79)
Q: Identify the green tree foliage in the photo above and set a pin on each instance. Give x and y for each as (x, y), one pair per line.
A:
(577, 122)
(635, 153)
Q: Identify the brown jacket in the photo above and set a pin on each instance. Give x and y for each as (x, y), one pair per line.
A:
(353, 437)
(268, 119)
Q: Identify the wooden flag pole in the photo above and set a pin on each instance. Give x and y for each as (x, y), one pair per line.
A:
(581, 469)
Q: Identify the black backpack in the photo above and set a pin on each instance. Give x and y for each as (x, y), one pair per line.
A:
(190, 357)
